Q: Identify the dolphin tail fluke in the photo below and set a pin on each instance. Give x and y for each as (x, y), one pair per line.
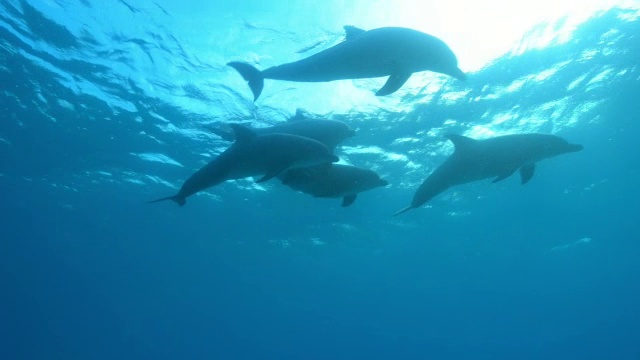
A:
(252, 75)
(403, 210)
(178, 199)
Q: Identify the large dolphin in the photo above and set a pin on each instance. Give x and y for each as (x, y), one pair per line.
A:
(254, 155)
(333, 181)
(497, 158)
(328, 132)
(389, 51)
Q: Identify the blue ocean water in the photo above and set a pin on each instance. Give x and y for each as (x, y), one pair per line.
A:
(108, 105)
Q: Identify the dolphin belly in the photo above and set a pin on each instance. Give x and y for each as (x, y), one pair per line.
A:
(325, 69)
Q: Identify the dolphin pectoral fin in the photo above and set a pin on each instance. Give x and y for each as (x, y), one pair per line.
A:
(267, 176)
(251, 75)
(285, 177)
(504, 175)
(178, 199)
(403, 210)
(273, 172)
(348, 200)
(526, 173)
(394, 82)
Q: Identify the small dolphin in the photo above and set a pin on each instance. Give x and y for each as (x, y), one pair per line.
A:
(254, 155)
(497, 157)
(328, 132)
(333, 181)
(389, 51)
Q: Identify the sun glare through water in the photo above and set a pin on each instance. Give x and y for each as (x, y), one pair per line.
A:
(481, 31)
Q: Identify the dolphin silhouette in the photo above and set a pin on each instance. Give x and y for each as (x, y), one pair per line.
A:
(333, 181)
(389, 51)
(497, 158)
(254, 155)
(328, 132)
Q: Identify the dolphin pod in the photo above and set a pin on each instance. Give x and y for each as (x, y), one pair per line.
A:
(300, 151)
(497, 158)
(389, 51)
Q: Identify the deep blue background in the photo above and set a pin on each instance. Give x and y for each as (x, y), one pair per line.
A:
(88, 271)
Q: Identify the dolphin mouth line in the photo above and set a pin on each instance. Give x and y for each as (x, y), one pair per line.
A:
(459, 74)
(575, 147)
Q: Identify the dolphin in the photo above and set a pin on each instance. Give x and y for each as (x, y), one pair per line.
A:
(328, 132)
(389, 51)
(497, 158)
(254, 155)
(333, 181)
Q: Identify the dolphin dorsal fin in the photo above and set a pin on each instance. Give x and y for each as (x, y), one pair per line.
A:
(352, 32)
(242, 133)
(461, 142)
(299, 116)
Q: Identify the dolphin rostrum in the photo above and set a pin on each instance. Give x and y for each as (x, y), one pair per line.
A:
(254, 155)
(389, 51)
(328, 132)
(497, 158)
(333, 181)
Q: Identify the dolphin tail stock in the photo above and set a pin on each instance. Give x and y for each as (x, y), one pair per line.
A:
(404, 210)
(252, 75)
(178, 199)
